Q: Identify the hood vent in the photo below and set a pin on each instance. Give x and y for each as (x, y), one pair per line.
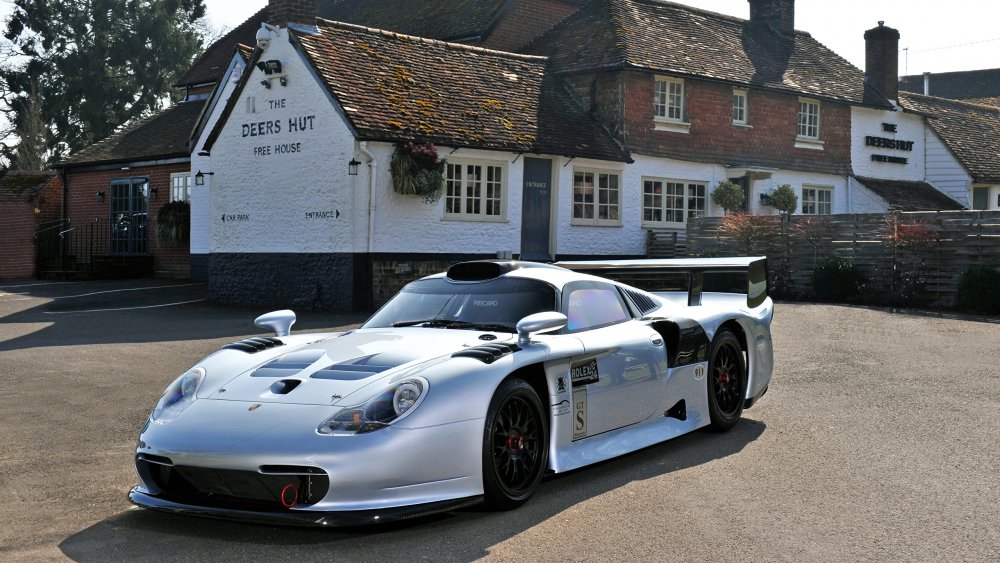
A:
(289, 364)
(254, 345)
(358, 368)
(487, 353)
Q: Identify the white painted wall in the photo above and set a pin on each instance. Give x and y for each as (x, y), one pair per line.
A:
(201, 200)
(945, 172)
(405, 224)
(283, 202)
(867, 122)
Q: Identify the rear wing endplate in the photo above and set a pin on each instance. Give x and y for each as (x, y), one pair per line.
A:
(754, 267)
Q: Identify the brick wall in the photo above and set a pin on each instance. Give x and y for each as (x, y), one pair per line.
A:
(21, 218)
(296, 11)
(525, 21)
(623, 102)
(169, 259)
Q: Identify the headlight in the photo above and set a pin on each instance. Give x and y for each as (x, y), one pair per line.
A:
(385, 408)
(178, 396)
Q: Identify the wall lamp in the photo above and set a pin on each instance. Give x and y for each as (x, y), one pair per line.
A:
(152, 193)
(100, 197)
(199, 178)
(352, 167)
(272, 69)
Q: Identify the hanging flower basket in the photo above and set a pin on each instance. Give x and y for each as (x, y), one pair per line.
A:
(417, 170)
(173, 223)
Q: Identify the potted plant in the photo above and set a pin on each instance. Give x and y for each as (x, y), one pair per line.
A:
(417, 170)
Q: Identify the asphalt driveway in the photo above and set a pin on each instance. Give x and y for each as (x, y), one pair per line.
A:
(879, 440)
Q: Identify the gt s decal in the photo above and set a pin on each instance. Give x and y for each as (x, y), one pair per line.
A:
(584, 373)
(579, 413)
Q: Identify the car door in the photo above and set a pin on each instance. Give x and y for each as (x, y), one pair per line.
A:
(620, 378)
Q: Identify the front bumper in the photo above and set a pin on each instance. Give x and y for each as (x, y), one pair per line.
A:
(315, 518)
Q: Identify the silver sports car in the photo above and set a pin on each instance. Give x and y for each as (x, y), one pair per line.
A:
(466, 387)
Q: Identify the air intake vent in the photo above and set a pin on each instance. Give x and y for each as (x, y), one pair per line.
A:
(487, 353)
(645, 303)
(479, 271)
(254, 345)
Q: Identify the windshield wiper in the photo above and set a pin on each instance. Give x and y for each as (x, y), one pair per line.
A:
(447, 323)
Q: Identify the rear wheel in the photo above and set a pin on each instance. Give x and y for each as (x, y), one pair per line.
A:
(515, 445)
(727, 381)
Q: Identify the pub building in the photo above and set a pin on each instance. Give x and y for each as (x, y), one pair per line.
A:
(555, 146)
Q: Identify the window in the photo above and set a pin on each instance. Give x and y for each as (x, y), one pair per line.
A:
(739, 107)
(591, 305)
(981, 198)
(817, 201)
(668, 99)
(180, 187)
(667, 202)
(596, 197)
(475, 191)
(808, 119)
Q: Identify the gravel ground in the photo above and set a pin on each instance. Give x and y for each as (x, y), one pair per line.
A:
(878, 440)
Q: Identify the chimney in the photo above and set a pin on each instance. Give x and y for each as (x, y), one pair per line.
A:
(284, 12)
(779, 15)
(882, 60)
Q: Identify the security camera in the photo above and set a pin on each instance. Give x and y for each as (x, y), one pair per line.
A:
(263, 38)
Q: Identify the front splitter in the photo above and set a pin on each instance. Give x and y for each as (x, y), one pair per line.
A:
(341, 519)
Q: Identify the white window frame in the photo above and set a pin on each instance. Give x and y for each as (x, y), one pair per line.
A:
(812, 203)
(806, 128)
(596, 204)
(741, 107)
(466, 200)
(670, 104)
(686, 196)
(184, 179)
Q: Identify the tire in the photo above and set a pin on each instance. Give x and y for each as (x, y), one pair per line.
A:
(727, 381)
(515, 445)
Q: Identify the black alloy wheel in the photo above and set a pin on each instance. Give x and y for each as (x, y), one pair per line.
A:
(727, 381)
(515, 445)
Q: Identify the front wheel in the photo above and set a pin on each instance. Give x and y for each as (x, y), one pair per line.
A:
(515, 445)
(727, 381)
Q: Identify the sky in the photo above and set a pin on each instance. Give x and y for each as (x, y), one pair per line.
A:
(936, 36)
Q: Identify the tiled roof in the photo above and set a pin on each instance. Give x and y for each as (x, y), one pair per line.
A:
(397, 87)
(23, 185)
(987, 101)
(971, 131)
(963, 85)
(214, 61)
(910, 196)
(660, 36)
(448, 20)
(162, 135)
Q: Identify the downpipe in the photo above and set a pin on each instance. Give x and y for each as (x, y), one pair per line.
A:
(372, 176)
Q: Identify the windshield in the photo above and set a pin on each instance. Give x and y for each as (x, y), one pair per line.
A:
(494, 305)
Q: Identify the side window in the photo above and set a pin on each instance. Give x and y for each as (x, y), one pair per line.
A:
(591, 305)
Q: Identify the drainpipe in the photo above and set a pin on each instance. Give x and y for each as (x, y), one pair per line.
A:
(372, 175)
(927, 84)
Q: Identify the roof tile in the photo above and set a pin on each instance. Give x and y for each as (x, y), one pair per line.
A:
(971, 131)
(22, 185)
(910, 196)
(660, 36)
(396, 87)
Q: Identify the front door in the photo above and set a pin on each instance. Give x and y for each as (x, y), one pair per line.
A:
(536, 209)
(129, 207)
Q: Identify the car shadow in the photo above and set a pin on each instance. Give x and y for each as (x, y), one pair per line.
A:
(133, 311)
(464, 535)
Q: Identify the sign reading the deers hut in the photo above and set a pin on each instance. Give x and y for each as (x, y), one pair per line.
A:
(886, 143)
(268, 127)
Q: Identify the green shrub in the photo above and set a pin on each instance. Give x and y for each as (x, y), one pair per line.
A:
(979, 290)
(784, 199)
(836, 279)
(728, 196)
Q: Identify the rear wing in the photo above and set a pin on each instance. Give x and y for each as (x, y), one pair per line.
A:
(694, 270)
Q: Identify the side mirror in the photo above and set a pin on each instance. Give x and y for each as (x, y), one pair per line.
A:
(279, 321)
(539, 322)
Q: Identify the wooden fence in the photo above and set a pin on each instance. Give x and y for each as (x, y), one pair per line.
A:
(913, 258)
